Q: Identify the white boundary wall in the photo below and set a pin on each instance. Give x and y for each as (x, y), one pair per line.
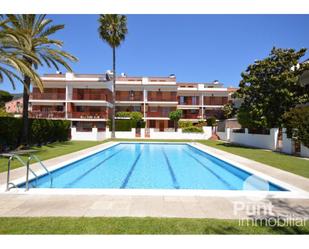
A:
(181, 135)
(256, 140)
(93, 135)
(287, 143)
(304, 151)
(125, 134)
(288, 146)
(225, 136)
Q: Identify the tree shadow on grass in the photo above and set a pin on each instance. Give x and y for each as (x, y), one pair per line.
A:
(285, 219)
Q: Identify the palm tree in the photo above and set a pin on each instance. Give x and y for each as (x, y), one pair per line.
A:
(113, 29)
(36, 29)
(11, 60)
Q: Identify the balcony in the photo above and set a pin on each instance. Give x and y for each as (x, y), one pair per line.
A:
(184, 100)
(49, 114)
(129, 98)
(92, 96)
(191, 116)
(157, 114)
(48, 96)
(162, 96)
(215, 100)
(87, 115)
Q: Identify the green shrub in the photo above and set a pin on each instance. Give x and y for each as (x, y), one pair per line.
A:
(184, 124)
(132, 115)
(296, 122)
(10, 130)
(41, 131)
(137, 116)
(3, 113)
(126, 124)
(193, 129)
(123, 114)
(201, 123)
(211, 121)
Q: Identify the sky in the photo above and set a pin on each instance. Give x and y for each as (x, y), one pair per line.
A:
(196, 48)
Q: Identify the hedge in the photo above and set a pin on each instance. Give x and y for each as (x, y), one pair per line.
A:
(41, 131)
(126, 124)
(184, 124)
(193, 129)
(296, 122)
(211, 121)
(132, 115)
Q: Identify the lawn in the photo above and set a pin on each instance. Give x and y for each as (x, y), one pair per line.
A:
(60, 225)
(285, 162)
(52, 150)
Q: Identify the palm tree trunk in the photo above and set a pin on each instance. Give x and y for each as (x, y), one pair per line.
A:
(114, 92)
(25, 129)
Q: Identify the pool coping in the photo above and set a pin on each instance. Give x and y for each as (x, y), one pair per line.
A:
(295, 191)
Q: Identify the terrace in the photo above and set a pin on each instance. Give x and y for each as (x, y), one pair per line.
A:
(48, 94)
(91, 94)
(162, 96)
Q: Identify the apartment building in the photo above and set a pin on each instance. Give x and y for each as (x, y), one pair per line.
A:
(85, 99)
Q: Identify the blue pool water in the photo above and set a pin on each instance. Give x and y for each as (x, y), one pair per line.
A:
(149, 166)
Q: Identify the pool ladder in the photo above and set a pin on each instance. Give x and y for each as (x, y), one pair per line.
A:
(10, 185)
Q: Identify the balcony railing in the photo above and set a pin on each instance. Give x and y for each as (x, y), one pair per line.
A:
(129, 98)
(191, 116)
(157, 114)
(48, 96)
(162, 98)
(87, 115)
(98, 96)
(50, 114)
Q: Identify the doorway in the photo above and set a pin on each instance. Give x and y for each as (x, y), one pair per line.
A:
(161, 125)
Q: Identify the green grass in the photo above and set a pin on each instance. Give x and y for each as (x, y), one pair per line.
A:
(289, 163)
(59, 225)
(52, 150)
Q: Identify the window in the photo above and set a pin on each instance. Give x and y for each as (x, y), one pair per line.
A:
(182, 100)
(194, 100)
(59, 108)
(136, 108)
(80, 108)
(152, 124)
(153, 109)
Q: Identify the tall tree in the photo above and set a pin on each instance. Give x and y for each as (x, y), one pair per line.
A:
(12, 64)
(175, 116)
(270, 87)
(113, 29)
(37, 30)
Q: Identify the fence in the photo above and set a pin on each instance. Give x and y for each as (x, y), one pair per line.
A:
(264, 141)
(95, 135)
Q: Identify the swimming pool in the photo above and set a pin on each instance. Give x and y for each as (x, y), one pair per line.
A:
(149, 166)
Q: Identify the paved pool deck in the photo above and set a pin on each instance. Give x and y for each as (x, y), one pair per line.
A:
(147, 203)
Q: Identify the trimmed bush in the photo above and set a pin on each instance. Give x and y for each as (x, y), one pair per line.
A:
(211, 121)
(132, 115)
(296, 122)
(193, 129)
(41, 131)
(123, 114)
(201, 123)
(137, 116)
(184, 124)
(126, 124)
(10, 130)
